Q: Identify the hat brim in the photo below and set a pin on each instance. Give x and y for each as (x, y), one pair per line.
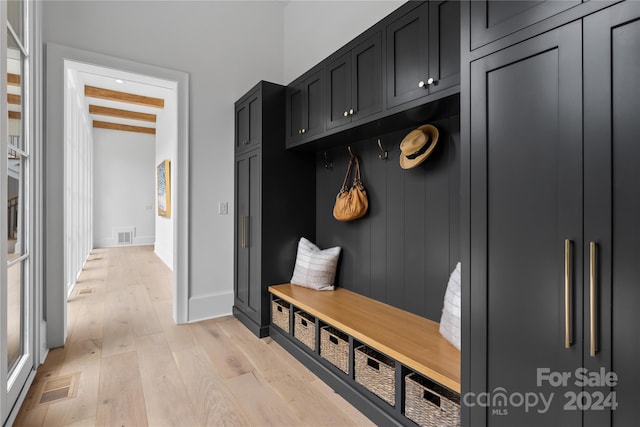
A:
(432, 139)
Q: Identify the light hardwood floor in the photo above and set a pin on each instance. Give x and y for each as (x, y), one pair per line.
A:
(126, 363)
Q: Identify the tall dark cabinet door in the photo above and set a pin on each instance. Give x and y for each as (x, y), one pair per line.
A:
(612, 201)
(248, 234)
(526, 200)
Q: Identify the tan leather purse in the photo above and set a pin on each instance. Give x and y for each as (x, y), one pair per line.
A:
(351, 203)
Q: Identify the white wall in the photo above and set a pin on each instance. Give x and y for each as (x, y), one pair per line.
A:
(166, 137)
(315, 29)
(226, 47)
(78, 179)
(123, 186)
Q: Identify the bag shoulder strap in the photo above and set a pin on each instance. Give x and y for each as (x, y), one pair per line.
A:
(357, 180)
(345, 183)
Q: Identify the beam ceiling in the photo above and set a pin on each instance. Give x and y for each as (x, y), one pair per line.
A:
(113, 95)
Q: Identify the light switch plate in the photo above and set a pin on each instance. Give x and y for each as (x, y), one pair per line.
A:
(223, 208)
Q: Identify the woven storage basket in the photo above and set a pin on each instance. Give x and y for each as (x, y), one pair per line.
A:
(376, 372)
(334, 347)
(305, 329)
(280, 314)
(430, 404)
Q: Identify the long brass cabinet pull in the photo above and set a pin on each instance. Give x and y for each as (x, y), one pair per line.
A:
(567, 293)
(244, 232)
(592, 299)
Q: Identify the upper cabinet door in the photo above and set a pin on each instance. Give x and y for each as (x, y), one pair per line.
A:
(366, 84)
(294, 113)
(408, 57)
(339, 91)
(248, 122)
(304, 108)
(494, 19)
(313, 108)
(444, 44)
(354, 83)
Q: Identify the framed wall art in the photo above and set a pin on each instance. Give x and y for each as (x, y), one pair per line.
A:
(164, 188)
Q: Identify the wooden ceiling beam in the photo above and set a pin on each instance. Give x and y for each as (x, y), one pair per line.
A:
(116, 126)
(121, 114)
(14, 99)
(113, 95)
(13, 79)
(15, 115)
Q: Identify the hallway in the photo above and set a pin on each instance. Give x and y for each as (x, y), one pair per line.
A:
(125, 362)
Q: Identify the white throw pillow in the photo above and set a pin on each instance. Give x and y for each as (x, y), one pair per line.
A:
(451, 312)
(315, 268)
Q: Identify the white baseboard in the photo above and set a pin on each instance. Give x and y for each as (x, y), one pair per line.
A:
(111, 242)
(210, 306)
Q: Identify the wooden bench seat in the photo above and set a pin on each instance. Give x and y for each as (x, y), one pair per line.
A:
(412, 340)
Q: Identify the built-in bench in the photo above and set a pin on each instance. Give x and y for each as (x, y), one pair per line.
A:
(413, 341)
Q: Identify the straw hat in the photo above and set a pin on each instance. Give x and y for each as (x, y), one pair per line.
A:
(417, 146)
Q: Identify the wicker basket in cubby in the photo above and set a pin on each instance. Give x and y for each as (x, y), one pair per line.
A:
(430, 404)
(334, 347)
(280, 314)
(376, 372)
(304, 329)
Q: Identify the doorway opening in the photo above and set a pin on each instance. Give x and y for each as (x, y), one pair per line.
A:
(109, 114)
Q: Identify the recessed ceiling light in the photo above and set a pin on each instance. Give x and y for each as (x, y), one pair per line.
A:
(119, 81)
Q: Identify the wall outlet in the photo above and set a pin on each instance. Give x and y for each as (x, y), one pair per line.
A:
(223, 208)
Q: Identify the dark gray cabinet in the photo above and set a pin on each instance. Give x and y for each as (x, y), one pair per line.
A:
(526, 199)
(305, 107)
(423, 52)
(612, 204)
(274, 206)
(354, 83)
(551, 276)
(387, 76)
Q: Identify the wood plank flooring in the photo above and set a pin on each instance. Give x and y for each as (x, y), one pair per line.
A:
(129, 365)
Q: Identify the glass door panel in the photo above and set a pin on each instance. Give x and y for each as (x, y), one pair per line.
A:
(18, 329)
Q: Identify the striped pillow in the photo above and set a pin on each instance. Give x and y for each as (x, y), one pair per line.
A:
(315, 268)
(450, 323)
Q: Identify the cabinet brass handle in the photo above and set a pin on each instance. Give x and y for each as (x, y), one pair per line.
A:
(592, 298)
(244, 232)
(421, 84)
(346, 113)
(567, 293)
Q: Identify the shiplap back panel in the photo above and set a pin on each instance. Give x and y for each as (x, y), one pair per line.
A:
(403, 251)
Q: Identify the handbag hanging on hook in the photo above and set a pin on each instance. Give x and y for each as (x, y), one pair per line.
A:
(351, 203)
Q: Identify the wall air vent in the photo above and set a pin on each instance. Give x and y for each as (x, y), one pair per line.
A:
(124, 235)
(125, 238)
